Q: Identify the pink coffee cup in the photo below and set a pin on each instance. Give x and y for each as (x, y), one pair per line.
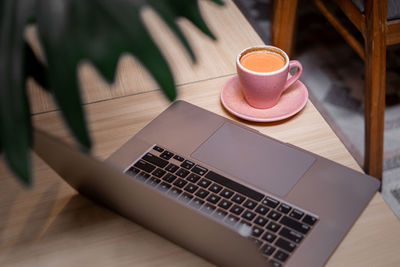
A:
(263, 89)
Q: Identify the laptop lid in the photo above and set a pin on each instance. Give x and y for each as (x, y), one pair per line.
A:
(186, 227)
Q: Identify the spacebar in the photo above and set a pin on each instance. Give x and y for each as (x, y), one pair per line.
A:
(234, 186)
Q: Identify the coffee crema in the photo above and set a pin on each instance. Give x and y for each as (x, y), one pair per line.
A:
(262, 61)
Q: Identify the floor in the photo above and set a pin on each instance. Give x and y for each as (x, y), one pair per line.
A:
(334, 75)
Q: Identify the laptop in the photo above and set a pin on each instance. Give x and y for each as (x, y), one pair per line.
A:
(216, 187)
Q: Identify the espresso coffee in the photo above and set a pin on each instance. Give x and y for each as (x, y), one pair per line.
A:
(262, 61)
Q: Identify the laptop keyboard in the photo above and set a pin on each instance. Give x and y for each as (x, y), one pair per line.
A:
(278, 228)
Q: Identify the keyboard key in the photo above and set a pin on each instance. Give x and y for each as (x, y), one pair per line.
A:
(182, 173)
(269, 237)
(144, 166)
(274, 227)
(250, 204)
(291, 235)
(159, 149)
(185, 197)
(204, 183)
(231, 220)
(166, 155)
(275, 263)
(281, 256)
(248, 215)
(164, 186)
(132, 171)
(201, 193)
(226, 193)
(208, 208)
(225, 204)
(219, 214)
(267, 250)
(238, 199)
(310, 220)
(261, 209)
(256, 231)
(180, 183)
(199, 170)
(215, 188)
(153, 181)
(191, 188)
(260, 221)
(155, 160)
(297, 214)
(143, 176)
(169, 178)
(284, 208)
(299, 227)
(187, 164)
(193, 178)
(196, 203)
(236, 209)
(213, 198)
(285, 245)
(270, 202)
(159, 173)
(245, 223)
(179, 158)
(234, 186)
(174, 192)
(172, 168)
(274, 215)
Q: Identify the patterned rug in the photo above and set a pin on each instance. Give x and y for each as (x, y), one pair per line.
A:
(334, 75)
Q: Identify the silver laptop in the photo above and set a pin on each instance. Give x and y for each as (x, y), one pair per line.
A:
(217, 187)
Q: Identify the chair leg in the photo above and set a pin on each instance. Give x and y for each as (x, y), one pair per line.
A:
(283, 20)
(375, 87)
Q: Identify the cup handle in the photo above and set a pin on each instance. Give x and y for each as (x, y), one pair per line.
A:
(296, 76)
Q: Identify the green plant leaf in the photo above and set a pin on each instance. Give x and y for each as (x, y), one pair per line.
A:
(35, 68)
(168, 13)
(72, 31)
(15, 123)
(189, 9)
(100, 31)
(169, 10)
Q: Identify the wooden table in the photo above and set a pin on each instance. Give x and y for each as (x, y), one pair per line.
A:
(51, 225)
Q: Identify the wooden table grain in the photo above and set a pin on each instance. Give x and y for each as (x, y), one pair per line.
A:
(51, 225)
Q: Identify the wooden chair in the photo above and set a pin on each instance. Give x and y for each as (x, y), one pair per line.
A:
(370, 18)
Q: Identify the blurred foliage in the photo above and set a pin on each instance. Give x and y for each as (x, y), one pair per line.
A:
(70, 31)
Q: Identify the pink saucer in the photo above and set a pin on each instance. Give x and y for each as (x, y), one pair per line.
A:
(292, 101)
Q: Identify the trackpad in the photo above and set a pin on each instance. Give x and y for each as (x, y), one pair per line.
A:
(255, 159)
